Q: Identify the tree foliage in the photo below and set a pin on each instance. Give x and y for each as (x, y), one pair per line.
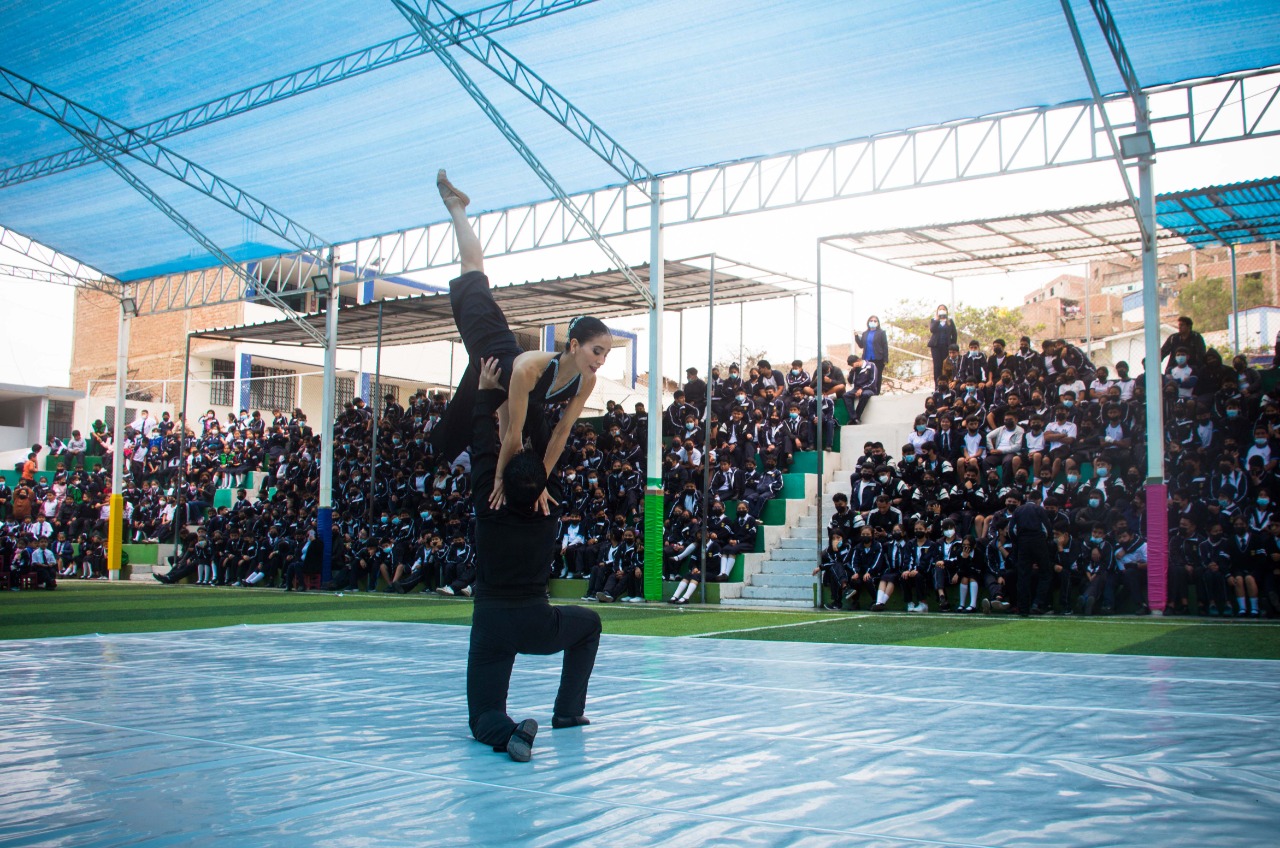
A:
(1207, 301)
(908, 328)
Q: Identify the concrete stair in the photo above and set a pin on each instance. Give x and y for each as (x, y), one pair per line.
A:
(783, 575)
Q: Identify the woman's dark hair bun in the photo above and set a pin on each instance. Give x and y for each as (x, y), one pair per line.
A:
(585, 327)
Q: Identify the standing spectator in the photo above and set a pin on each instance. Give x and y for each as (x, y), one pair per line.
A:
(1030, 530)
(1185, 337)
(942, 335)
(875, 347)
(695, 390)
(29, 469)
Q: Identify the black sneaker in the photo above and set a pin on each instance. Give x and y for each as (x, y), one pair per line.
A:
(520, 745)
(831, 606)
(986, 606)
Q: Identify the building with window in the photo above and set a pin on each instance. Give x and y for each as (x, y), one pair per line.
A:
(33, 415)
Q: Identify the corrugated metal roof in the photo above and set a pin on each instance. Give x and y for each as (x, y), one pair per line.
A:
(529, 306)
(1230, 214)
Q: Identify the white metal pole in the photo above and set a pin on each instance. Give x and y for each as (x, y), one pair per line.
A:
(115, 532)
(741, 338)
(706, 432)
(1088, 320)
(817, 394)
(324, 528)
(1235, 306)
(653, 458)
(1157, 515)
(680, 346)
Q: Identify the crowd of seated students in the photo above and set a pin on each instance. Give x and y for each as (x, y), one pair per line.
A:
(930, 525)
(933, 523)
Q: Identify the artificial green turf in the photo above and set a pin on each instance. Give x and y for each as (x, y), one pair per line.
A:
(77, 608)
(84, 608)
(1150, 636)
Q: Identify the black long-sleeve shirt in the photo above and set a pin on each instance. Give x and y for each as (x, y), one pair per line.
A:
(514, 547)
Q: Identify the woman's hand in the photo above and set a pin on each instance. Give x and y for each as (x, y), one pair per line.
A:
(490, 374)
(497, 497)
(544, 503)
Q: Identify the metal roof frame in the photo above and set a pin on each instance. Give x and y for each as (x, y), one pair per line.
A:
(1231, 214)
(417, 319)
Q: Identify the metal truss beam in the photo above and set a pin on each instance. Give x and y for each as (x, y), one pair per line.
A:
(589, 230)
(103, 152)
(1139, 103)
(58, 263)
(494, 18)
(119, 139)
(1111, 33)
(447, 24)
(39, 275)
(1188, 115)
(1193, 114)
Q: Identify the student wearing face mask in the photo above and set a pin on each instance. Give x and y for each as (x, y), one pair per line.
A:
(942, 335)
(875, 347)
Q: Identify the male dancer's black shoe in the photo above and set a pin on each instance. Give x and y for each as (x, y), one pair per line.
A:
(559, 722)
(520, 745)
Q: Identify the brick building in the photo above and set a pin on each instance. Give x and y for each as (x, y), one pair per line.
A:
(226, 376)
(1060, 305)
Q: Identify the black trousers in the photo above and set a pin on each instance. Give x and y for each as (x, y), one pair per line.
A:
(1035, 564)
(499, 631)
(485, 333)
(939, 357)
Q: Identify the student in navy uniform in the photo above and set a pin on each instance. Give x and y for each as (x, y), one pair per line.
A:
(915, 568)
(1184, 563)
(758, 490)
(944, 573)
(834, 568)
(968, 565)
(885, 572)
(515, 545)
(864, 384)
(942, 335)
(740, 538)
(1029, 529)
(1215, 559)
(1066, 569)
(866, 562)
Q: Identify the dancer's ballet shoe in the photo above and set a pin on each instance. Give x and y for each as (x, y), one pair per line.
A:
(449, 191)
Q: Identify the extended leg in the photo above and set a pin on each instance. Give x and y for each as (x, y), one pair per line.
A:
(470, 252)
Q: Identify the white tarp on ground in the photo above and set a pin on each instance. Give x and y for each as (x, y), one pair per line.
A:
(355, 734)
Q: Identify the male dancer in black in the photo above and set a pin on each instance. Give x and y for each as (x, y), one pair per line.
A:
(515, 546)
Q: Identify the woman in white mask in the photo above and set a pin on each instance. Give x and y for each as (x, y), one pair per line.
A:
(875, 347)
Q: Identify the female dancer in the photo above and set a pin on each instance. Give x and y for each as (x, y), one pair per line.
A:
(533, 379)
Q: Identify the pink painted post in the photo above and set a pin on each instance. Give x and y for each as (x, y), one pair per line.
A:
(1157, 545)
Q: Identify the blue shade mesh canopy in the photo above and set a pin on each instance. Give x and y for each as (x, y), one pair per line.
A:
(356, 734)
(680, 85)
